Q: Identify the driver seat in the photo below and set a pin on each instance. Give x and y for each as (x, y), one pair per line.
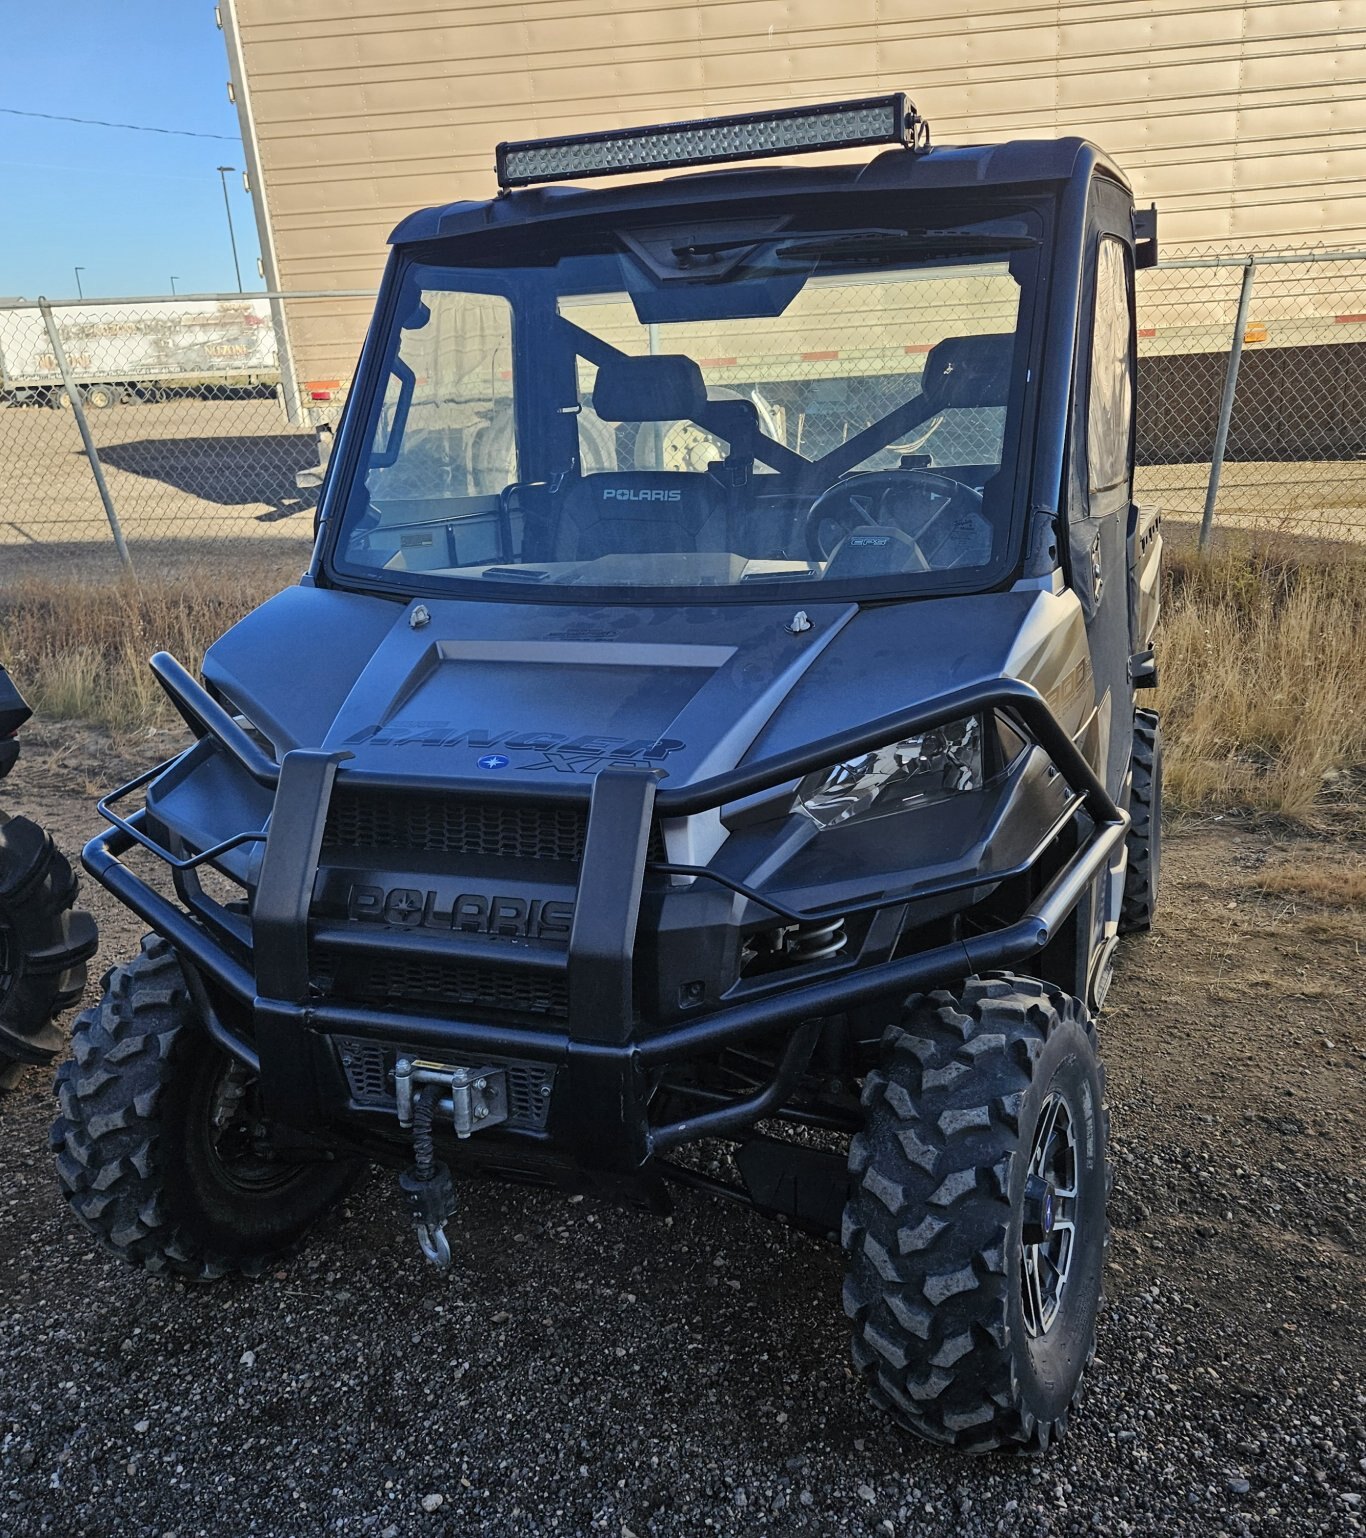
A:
(642, 512)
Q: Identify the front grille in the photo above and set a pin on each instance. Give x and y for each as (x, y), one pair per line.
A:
(454, 825)
(508, 830)
(440, 980)
(369, 1068)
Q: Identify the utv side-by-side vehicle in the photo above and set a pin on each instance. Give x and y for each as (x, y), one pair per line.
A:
(710, 713)
(45, 940)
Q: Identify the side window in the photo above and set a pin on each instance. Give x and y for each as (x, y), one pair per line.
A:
(1110, 410)
(446, 425)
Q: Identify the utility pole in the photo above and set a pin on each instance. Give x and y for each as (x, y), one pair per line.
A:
(232, 234)
(173, 281)
(80, 292)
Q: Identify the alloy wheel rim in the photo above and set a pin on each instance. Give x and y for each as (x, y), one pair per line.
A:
(1049, 1235)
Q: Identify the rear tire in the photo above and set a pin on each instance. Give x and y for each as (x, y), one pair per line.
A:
(44, 945)
(101, 397)
(1145, 826)
(950, 1332)
(157, 1138)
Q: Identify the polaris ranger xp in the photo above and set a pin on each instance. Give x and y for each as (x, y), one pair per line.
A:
(709, 714)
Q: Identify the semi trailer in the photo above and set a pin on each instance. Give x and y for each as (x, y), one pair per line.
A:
(136, 350)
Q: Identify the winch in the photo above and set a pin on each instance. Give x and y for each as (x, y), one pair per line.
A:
(475, 1099)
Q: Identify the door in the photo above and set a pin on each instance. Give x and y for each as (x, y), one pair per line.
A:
(1101, 482)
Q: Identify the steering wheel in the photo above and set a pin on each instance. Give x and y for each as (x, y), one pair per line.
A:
(909, 500)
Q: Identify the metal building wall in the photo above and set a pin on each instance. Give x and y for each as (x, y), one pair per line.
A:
(1245, 122)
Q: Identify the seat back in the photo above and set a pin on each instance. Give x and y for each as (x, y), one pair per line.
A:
(639, 512)
(968, 371)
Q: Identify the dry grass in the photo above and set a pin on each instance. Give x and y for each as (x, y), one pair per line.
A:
(1263, 680)
(79, 650)
(1328, 884)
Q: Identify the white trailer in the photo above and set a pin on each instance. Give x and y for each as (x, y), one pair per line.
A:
(136, 350)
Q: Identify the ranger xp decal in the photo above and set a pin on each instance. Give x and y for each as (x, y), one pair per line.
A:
(569, 755)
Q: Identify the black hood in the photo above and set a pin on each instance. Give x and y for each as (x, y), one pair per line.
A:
(529, 691)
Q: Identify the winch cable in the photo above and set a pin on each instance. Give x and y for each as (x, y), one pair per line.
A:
(428, 1184)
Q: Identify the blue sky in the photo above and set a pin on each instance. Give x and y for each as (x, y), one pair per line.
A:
(131, 208)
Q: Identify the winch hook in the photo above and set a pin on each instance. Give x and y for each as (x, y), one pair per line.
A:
(427, 1184)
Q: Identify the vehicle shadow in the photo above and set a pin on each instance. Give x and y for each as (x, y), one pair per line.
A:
(231, 471)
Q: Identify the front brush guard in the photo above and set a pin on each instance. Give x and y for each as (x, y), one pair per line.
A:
(604, 1050)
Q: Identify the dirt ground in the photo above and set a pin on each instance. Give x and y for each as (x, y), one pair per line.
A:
(1317, 499)
(589, 1370)
(181, 472)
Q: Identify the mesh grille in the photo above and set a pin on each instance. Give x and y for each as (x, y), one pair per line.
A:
(446, 825)
(418, 979)
(451, 825)
(369, 1071)
(369, 1067)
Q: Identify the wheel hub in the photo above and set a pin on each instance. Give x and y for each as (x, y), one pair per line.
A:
(237, 1141)
(1039, 1211)
(1048, 1229)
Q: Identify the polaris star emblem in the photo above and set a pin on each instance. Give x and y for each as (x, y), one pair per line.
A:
(420, 616)
(494, 761)
(801, 621)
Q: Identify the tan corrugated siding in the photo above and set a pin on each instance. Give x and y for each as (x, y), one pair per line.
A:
(1245, 122)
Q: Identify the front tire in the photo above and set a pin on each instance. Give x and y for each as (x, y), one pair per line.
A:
(975, 1229)
(159, 1143)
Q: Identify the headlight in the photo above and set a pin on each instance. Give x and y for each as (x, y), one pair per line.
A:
(935, 764)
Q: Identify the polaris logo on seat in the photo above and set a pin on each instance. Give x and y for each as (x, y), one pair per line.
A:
(621, 494)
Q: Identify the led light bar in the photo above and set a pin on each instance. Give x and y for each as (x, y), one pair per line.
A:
(703, 141)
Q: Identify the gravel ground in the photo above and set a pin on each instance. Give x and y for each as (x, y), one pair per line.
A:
(590, 1370)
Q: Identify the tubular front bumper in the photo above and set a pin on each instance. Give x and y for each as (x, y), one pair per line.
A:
(603, 1055)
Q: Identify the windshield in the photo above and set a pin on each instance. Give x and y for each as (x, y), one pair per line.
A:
(701, 410)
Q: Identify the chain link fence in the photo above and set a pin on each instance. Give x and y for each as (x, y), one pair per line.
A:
(174, 433)
(169, 434)
(1252, 392)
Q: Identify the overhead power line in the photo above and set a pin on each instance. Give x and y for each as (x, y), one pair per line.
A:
(142, 128)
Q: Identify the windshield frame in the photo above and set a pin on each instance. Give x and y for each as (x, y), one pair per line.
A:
(562, 236)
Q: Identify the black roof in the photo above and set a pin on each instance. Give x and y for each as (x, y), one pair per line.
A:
(1017, 162)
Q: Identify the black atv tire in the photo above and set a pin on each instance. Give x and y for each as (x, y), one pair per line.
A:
(138, 1157)
(1145, 827)
(935, 1224)
(44, 945)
